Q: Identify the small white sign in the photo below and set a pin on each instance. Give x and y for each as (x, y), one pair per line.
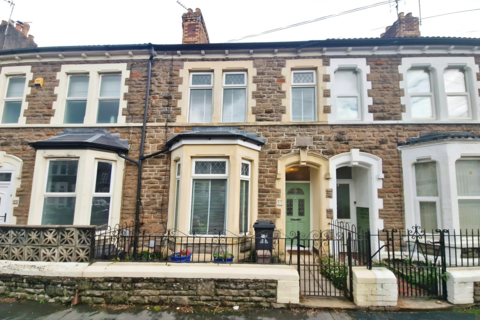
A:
(279, 202)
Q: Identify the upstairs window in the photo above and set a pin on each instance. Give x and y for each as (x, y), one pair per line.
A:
(303, 95)
(109, 98)
(421, 94)
(234, 97)
(440, 89)
(76, 99)
(456, 94)
(201, 93)
(13, 99)
(347, 94)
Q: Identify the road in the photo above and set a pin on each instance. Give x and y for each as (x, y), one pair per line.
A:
(30, 310)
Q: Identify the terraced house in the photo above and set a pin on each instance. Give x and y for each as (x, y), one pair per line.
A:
(379, 132)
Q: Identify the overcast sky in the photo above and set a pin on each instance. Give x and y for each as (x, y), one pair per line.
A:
(95, 22)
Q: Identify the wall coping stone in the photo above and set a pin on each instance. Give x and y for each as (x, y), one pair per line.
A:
(287, 276)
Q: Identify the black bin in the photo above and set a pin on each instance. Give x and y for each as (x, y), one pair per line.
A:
(264, 235)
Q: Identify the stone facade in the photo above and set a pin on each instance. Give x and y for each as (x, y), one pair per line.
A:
(125, 290)
(379, 138)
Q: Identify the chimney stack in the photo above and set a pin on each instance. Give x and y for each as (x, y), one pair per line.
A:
(194, 28)
(16, 36)
(405, 27)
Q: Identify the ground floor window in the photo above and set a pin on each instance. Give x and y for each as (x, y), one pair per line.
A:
(244, 197)
(209, 196)
(468, 191)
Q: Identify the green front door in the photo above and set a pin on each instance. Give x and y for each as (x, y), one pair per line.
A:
(298, 208)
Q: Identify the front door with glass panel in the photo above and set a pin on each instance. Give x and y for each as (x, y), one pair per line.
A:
(5, 195)
(298, 208)
(346, 201)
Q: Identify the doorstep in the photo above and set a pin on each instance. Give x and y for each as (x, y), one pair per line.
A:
(327, 303)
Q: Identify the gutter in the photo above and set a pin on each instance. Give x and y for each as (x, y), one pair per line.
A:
(328, 43)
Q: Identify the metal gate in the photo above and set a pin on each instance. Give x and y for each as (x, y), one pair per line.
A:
(324, 260)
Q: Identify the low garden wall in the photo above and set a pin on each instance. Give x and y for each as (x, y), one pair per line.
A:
(463, 285)
(140, 283)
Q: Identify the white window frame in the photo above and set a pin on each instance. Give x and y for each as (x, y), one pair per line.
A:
(95, 72)
(199, 87)
(304, 85)
(86, 175)
(436, 67)
(466, 158)
(210, 177)
(358, 95)
(234, 86)
(249, 179)
(178, 169)
(362, 68)
(109, 194)
(430, 94)
(418, 199)
(15, 99)
(47, 194)
(461, 94)
(5, 75)
(446, 153)
(75, 98)
(97, 103)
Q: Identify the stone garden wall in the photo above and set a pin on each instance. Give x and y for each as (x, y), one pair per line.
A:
(116, 290)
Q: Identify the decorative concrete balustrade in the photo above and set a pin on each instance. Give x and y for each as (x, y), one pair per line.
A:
(47, 243)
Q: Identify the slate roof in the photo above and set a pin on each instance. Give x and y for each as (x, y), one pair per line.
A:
(84, 138)
(211, 133)
(439, 136)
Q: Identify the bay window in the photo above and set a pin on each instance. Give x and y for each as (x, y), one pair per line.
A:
(234, 97)
(201, 97)
(177, 195)
(426, 191)
(209, 196)
(244, 197)
(303, 95)
(60, 192)
(468, 191)
(102, 194)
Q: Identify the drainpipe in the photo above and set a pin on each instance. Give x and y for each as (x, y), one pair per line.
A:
(139, 163)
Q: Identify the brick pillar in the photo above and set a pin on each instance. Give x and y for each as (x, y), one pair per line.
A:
(405, 27)
(194, 28)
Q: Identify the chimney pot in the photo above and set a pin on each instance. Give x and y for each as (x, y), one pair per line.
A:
(30, 37)
(194, 28)
(405, 27)
(18, 27)
(25, 29)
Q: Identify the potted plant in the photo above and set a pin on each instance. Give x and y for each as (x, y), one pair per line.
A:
(223, 257)
(182, 256)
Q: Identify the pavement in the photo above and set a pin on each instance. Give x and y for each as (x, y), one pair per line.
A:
(29, 310)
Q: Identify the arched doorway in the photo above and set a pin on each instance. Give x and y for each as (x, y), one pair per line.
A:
(355, 179)
(304, 172)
